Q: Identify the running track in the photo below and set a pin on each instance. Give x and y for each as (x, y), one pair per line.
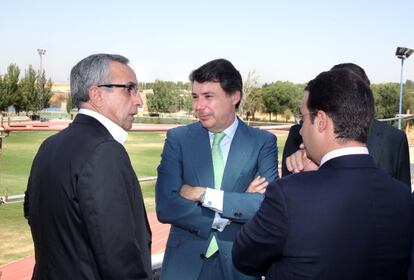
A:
(22, 269)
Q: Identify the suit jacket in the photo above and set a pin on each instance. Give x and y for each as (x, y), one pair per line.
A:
(186, 159)
(349, 220)
(387, 145)
(85, 207)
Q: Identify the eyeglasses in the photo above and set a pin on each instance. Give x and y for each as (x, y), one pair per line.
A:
(131, 87)
(299, 117)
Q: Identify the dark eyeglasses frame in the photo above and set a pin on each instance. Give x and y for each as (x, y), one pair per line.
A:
(131, 87)
(299, 117)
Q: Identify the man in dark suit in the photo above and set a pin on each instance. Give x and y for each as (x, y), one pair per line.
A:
(387, 145)
(83, 200)
(347, 220)
(206, 189)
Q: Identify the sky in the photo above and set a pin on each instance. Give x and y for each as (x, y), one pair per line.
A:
(279, 40)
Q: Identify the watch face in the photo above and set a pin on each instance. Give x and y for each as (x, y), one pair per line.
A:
(203, 194)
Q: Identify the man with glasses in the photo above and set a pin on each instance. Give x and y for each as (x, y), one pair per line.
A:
(348, 219)
(83, 201)
(387, 145)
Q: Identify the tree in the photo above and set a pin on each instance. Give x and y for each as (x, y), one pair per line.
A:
(276, 97)
(187, 101)
(3, 101)
(253, 103)
(386, 97)
(28, 97)
(35, 92)
(69, 104)
(45, 91)
(10, 87)
(250, 84)
(163, 98)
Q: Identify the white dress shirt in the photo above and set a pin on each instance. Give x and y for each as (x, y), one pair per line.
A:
(213, 198)
(343, 152)
(119, 134)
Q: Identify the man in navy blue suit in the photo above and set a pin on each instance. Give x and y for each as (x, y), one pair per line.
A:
(387, 145)
(347, 220)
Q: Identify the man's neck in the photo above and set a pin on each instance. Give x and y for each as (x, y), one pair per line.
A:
(339, 144)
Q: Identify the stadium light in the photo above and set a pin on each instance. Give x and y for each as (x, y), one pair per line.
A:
(402, 53)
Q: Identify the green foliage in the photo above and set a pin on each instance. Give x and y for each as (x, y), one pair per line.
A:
(253, 103)
(386, 98)
(187, 103)
(10, 88)
(31, 93)
(3, 101)
(175, 86)
(45, 89)
(69, 104)
(277, 96)
(163, 99)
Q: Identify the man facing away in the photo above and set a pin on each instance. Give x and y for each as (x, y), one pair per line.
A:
(387, 145)
(211, 178)
(83, 201)
(347, 220)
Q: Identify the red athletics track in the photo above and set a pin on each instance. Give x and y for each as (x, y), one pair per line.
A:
(22, 269)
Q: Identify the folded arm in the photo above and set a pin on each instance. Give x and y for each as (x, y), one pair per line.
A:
(264, 236)
(171, 207)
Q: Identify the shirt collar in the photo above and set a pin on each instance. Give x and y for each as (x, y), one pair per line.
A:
(343, 152)
(115, 130)
(230, 131)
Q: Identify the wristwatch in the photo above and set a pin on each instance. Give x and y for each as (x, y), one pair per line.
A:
(202, 196)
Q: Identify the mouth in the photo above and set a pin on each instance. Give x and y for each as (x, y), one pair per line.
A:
(203, 117)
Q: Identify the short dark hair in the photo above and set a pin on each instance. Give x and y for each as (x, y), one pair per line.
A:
(220, 71)
(347, 99)
(354, 68)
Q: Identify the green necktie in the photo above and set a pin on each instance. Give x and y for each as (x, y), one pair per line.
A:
(218, 166)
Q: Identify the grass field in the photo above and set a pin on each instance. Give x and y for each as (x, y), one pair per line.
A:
(19, 149)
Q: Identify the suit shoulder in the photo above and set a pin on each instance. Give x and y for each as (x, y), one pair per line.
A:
(295, 128)
(182, 130)
(257, 132)
(387, 129)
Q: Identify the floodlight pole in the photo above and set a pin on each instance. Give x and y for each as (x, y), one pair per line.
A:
(41, 52)
(401, 91)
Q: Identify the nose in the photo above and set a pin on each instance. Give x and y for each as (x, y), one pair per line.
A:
(138, 100)
(198, 104)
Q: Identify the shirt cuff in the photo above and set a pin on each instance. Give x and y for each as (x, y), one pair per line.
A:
(220, 223)
(213, 199)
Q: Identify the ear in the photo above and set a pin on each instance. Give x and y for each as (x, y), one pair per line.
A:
(96, 96)
(235, 97)
(322, 120)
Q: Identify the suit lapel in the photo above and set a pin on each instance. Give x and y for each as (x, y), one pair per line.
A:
(240, 148)
(199, 146)
(375, 142)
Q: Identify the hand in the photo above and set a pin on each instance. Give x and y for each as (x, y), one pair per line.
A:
(299, 161)
(259, 185)
(192, 193)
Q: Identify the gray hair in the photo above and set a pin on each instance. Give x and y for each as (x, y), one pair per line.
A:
(93, 70)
